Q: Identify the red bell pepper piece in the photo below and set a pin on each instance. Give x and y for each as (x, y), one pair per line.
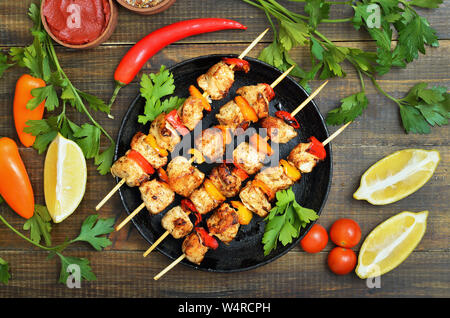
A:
(270, 94)
(175, 121)
(207, 239)
(316, 148)
(198, 218)
(288, 118)
(240, 172)
(239, 64)
(141, 161)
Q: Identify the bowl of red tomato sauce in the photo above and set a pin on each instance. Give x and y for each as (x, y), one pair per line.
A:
(79, 24)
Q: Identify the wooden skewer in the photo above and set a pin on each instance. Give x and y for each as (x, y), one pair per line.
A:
(168, 268)
(252, 45)
(129, 217)
(110, 194)
(282, 76)
(154, 245)
(335, 134)
(310, 97)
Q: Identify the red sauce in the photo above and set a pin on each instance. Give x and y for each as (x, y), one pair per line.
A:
(77, 21)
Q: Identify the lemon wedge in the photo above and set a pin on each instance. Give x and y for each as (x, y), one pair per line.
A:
(65, 178)
(397, 176)
(390, 243)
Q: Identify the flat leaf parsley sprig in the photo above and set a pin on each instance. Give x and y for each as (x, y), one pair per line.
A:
(92, 231)
(418, 113)
(42, 62)
(285, 221)
(153, 88)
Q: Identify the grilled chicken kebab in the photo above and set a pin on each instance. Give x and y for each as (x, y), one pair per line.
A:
(256, 197)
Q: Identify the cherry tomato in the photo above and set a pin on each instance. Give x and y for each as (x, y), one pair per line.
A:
(315, 240)
(341, 260)
(345, 233)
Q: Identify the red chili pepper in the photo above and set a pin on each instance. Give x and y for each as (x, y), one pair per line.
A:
(141, 161)
(187, 204)
(207, 239)
(270, 94)
(288, 118)
(239, 64)
(143, 50)
(316, 148)
(175, 121)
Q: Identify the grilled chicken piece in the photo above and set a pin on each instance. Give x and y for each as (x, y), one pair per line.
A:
(250, 160)
(166, 136)
(203, 202)
(193, 248)
(128, 169)
(225, 180)
(275, 178)
(139, 144)
(224, 223)
(183, 177)
(210, 144)
(230, 115)
(217, 81)
(191, 112)
(303, 160)
(177, 222)
(255, 200)
(277, 130)
(156, 195)
(256, 97)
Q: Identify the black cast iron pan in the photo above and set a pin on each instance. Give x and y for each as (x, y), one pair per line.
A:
(246, 250)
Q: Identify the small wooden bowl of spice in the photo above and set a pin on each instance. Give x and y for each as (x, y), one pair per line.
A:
(79, 24)
(146, 7)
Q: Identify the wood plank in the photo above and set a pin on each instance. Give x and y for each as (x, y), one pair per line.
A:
(127, 274)
(132, 27)
(377, 133)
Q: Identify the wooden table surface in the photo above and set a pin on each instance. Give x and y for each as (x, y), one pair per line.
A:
(123, 272)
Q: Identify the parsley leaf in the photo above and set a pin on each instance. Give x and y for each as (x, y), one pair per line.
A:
(39, 225)
(293, 34)
(317, 10)
(104, 160)
(285, 221)
(155, 87)
(351, 107)
(47, 93)
(83, 263)
(426, 3)
(272, 54)
(4, 271)
(413, 35)
(4, 65)
(423, 107)
(88, 138)
(94, 102)
(92, 228)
